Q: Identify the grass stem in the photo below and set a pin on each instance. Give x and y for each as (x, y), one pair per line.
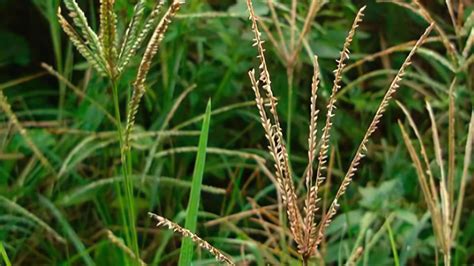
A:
(128, 207)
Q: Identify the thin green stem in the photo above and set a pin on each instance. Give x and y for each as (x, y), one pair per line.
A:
(128, 207)
(393, 244)
(290, 71)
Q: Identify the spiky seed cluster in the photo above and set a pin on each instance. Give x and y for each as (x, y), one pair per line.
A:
(108, 32)
(150, 52)
(311, 197)
(362, 149)
(163, 222)
(136, 33)
(103, 52)
(306, 233)
(274, 135)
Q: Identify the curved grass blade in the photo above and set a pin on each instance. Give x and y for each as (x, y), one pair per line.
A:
(68, 230)
(19, 209)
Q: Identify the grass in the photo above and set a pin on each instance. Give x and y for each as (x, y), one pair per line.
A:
(187, 250)
(75, 191)
(5, 258)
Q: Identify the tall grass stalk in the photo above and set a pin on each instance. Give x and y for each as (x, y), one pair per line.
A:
(110, 59)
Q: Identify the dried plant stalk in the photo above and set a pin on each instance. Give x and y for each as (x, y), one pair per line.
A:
(451, 148)
(445, 215)
(219, 255)
(465, 174)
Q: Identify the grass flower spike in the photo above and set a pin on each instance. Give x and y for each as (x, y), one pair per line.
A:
(306, 233)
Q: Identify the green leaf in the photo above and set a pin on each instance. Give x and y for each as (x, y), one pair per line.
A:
(186, 254)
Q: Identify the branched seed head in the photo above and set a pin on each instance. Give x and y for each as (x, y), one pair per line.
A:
(306, 233)
(219, 255)
(274, 133)
(150, 52)
(312, 198)
(361, 151)
(103, 52)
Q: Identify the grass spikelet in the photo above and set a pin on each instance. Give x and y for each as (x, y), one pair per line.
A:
(311, 207)
(344, 55)
(361, 150)
(163, 222)
(150, 52)
(80, 21)
(108, 32)
(132, 29)
(325, 138)
(82, 46)
(134, 37)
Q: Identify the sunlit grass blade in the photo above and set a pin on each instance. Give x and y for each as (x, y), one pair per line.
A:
(68, 230)
(186, 253)
(4, 254)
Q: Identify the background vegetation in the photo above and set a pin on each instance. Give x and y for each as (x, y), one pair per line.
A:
(65, 210)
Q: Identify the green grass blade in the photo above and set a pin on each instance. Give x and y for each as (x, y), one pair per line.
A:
(4, 254)
(8, 204)
(68, 230)
(393, 245)
(186, 253)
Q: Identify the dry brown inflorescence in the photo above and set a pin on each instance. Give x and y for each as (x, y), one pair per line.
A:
(305, 231)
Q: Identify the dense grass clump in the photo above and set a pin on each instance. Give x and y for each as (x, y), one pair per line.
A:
(112, 154)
